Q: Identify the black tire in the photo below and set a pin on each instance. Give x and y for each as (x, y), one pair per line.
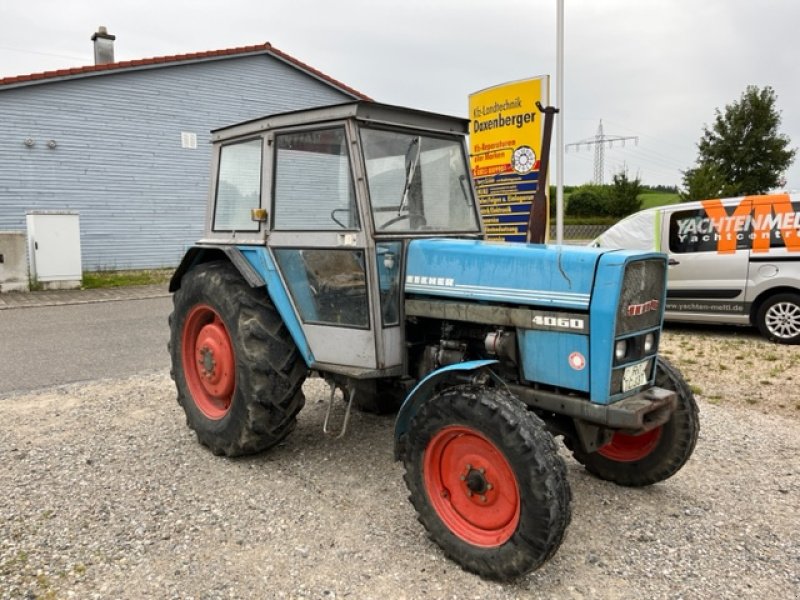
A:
(661, 452)
(257, 402)
(379, 397)
(778, 318)
(534, 506)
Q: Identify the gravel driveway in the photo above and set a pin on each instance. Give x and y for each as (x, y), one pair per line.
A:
(106, 494)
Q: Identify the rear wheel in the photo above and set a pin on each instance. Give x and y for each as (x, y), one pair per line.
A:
(236, 369)
(778, 319)
(486, 481)
(639, 460)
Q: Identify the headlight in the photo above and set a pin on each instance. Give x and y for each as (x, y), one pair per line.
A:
(649, 343)
(620, 349)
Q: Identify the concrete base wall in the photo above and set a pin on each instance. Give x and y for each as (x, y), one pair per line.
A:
(61, 284)
(13, 261)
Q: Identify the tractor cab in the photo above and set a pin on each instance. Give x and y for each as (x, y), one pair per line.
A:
(335, 193)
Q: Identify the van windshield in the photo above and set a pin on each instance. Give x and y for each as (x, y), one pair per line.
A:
(639, 231)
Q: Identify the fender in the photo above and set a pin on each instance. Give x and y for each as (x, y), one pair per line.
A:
(454, 373)
(256, 267)
(200, 254)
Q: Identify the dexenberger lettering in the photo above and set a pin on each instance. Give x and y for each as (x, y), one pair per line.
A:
(518, 121)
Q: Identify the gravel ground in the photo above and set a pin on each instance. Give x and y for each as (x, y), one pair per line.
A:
(106, 494)
(734, 366)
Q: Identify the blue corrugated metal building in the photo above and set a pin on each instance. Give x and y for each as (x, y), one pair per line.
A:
(126, 144)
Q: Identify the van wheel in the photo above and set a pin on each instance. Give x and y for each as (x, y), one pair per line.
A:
(778, 319)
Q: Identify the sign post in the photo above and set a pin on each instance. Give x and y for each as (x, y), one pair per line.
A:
(505, 151)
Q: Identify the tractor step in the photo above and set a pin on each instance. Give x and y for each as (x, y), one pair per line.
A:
(326, 424)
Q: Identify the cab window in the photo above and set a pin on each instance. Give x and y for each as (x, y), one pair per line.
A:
(328, 285)
(418, 182)
(313, 184)
(238, 186)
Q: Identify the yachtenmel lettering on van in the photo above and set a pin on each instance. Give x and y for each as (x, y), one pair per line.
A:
(756, 218)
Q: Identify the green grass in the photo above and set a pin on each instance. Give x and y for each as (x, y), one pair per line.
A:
(586, 220)
(107, 279)
(653, 199)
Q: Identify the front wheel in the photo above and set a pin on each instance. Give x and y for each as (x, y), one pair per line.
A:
(486, 481)
(639, 460)
(778, 319)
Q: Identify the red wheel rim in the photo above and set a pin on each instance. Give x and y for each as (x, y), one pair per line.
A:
(208, 361)
(629, 448)
(471, 486)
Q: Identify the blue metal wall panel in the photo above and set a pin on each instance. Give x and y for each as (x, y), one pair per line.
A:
(118, 158)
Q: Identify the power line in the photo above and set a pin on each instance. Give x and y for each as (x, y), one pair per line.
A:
(599, 142)
(72, 57)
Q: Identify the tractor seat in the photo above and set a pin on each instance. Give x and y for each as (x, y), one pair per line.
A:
(335, 271)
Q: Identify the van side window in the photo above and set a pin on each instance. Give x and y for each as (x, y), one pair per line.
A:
(694, 231)
(777, 236)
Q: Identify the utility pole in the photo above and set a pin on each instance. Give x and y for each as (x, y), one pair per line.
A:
(599, 142)
(560, 122)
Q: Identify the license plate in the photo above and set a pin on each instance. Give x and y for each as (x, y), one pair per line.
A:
(634, 376)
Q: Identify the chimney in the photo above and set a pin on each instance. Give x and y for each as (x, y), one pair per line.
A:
(103, 46)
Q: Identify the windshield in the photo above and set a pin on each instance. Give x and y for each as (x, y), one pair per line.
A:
(418, 183)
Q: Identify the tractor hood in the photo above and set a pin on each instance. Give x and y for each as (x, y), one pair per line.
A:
(542, 275)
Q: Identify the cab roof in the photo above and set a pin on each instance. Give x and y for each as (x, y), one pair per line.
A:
(366, 111)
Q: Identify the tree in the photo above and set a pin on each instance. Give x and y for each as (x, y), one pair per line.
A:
(623, 195)
(743, 152)
(588, 201)
(703, 182)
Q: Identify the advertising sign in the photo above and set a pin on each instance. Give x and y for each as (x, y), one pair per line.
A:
(505, 145)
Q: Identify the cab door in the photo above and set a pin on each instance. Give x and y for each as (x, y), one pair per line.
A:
(708, 263)
(318, 242)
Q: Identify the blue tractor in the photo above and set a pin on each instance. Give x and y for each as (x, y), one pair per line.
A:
(345, 242)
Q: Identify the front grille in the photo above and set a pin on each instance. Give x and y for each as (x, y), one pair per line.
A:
(640, 303)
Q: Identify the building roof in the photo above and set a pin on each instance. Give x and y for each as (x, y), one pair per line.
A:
(165, 61)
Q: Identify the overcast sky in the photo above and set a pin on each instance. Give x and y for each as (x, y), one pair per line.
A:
(655, 69)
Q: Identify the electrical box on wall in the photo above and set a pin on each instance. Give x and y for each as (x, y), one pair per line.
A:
(54, 249)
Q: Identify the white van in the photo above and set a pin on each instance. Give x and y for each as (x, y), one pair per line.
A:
(735, 260)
